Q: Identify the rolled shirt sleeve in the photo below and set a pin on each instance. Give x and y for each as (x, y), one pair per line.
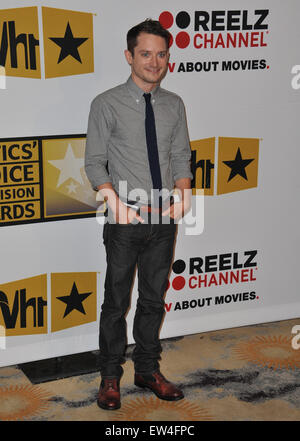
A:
(98, 133)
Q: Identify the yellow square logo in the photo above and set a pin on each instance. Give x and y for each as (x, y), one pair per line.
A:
(73, 299)
(23, 306)
(202, 165)
(237, 164)
(68, 42)
(19, 42)
(67, 190)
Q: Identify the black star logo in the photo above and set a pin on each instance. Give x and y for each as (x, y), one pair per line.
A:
(69, 45)
(238, 166)
(74, 300)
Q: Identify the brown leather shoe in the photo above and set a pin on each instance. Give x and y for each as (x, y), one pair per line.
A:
(109, 394)
(157, 383)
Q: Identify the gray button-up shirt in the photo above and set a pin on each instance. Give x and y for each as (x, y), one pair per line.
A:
(116, 136)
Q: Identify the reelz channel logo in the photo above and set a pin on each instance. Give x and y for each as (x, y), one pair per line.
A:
(221, 29)
(242, 28)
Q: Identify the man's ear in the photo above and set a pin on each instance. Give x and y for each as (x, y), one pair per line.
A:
(128, 56)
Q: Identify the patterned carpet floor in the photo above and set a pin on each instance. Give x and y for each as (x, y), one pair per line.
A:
(249, 373)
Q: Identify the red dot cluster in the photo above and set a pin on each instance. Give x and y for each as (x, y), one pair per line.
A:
(182, 39)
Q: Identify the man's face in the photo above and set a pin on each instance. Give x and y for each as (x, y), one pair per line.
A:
(150, 61)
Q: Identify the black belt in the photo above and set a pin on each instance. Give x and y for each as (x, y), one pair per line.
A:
(148, 208)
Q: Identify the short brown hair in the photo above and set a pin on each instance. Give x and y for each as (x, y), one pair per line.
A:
(148, 26)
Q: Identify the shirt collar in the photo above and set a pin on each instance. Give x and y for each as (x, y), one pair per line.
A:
(138, 93)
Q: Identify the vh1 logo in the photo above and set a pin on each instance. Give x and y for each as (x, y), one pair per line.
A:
(21, 313)
(67, 38)
(233, 166)
(24, 303)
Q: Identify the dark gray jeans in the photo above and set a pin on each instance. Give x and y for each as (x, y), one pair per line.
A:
(149, 247)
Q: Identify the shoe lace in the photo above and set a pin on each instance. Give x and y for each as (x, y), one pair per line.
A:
(110, 385)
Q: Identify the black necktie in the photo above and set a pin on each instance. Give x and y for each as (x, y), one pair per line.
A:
(152, 144)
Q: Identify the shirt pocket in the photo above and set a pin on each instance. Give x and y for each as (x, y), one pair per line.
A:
(164, 133)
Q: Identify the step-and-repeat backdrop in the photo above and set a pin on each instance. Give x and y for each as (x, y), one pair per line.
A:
(236, 64)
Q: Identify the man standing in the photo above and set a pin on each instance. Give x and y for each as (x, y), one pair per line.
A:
(138, 145)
